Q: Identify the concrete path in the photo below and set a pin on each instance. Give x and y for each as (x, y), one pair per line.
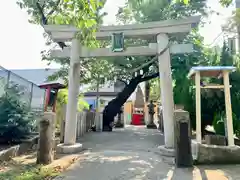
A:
(132, 154)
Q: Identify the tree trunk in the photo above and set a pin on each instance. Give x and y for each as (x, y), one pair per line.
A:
(114, 106)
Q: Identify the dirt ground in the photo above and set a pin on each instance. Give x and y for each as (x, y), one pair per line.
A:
(24, 166)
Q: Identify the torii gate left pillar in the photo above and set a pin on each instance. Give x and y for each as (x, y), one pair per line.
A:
(70, 145)
(73, 93)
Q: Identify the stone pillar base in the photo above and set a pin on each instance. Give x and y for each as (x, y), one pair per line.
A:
(151, 126)
(69, 149)
(166, 151)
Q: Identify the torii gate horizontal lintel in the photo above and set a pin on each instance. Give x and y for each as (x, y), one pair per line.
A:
(130, 51)
(145, 30)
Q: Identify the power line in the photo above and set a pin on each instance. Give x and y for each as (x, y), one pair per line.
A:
(215, 39)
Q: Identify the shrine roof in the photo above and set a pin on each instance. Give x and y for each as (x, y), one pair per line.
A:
(52, 84)
(210, 71)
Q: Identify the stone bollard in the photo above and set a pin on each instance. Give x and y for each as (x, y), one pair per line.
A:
(84, 122)
(98, 122)
(78, 133)
(62, 124)
(119, 123)
(160, 121)
(45, 153)
(183, 152)
(151, 112)
(151, 124)
(81, 124)
(62, 129)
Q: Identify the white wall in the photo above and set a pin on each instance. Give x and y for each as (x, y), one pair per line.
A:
(104, 98)
(108, 87)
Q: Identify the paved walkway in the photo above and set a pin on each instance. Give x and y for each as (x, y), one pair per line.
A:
(131, 154)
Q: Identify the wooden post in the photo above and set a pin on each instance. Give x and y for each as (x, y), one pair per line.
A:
(119, 123)
(160, 120)
(228, 108)
(47, 98)
(88, 120)
(45, 154)
(78, 125)
(84, 119)
(81, 127)
(183, 153)
(62, 124)
(198, 107)
(98, 121)
(55, 101)
(146, 113)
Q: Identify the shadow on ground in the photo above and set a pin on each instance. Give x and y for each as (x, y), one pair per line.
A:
(132, 154)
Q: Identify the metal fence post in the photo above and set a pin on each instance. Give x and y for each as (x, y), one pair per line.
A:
(31, 96)
(8, 78)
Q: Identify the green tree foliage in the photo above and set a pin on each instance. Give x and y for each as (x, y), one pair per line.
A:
(212, 101)
(83, 14)
(16, 119)
(62, 99)
(219, 124)
(160, 10)
(222, 2)
(86, 15)
(214, 104)
(154, 10)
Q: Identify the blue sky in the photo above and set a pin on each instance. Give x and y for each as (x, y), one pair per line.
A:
(22, 42)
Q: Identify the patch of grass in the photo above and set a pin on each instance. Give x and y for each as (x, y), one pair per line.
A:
(29, 172)
(24, 167)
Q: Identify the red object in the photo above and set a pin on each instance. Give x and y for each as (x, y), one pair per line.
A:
(47, 98)
(137, 119)
(49, 86)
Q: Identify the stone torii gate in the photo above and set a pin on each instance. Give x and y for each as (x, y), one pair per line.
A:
(158, 30)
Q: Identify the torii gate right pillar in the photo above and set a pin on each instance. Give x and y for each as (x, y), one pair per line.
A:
(166, 90)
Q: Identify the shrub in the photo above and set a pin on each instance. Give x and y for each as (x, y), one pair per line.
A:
(62, 99)
(16, 119)
(218, 123)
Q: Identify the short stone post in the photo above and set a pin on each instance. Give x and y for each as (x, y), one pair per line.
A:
(183, 152)
(160, 121)
(87, 121)
(45, 153)
(119, 123)
(78, 125)
(62, 124)
(81, 126)
(90, 118)
(84, 122)
(151, 124)
(99, 121)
